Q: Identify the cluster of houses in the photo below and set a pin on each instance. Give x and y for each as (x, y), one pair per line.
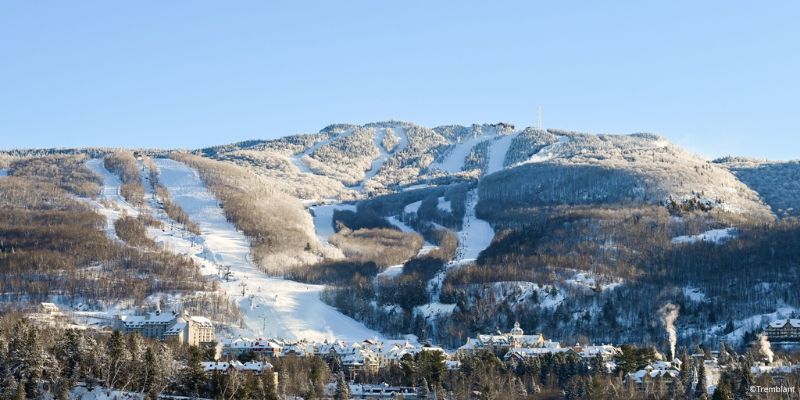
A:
(370, 355)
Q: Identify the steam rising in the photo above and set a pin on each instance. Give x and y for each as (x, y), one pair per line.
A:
(669, 313)
(765, 347)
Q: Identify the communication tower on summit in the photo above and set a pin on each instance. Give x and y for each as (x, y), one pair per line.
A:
(539, 118)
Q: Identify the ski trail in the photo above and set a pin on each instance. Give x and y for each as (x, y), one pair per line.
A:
(115, 206)
(497, 153)
(384, 155)
(297, 159)
(272, 307)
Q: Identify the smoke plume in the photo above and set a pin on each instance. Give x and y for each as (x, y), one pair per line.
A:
(669, 313)
(765, 347)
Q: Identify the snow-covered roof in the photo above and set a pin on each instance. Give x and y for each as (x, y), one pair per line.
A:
(153, 318)
(794, 323)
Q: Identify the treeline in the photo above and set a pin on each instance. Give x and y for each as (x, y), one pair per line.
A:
(281, 232)
(123, 164)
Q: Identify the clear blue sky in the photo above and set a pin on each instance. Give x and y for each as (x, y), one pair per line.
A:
(720, 77)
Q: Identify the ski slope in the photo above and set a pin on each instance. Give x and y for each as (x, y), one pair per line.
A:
(110, 202)
(323, 219)
(497, 152)
(297, 159)
(453, 161)
(272, 307)
(384, 155)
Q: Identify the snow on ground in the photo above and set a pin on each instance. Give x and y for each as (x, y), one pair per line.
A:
(110, 202)
(416, 187)
(323, 219)
(272, 307)
(3, 172)
(412, 208)
(589, 280)
(384, 154)
(297, 159)
(546, 153)
(434, 309)
(453, 161)
(475, 234)
(391, 272)
(694, 294)
(752, 323)
(716, 236)
(444, 205)
(101, 393)
(400, 224)
(497, 152)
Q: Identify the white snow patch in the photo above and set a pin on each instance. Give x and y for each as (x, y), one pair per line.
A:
(590, 281)
(323, 219)
(391, 272)
(546, 153)
(694, 294)
(434, 309)
(272, 307)
(3, 172)
(444, 205)
(400, 224)
(716, 236)
(412, 208)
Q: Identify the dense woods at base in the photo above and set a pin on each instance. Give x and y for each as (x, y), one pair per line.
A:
(52, 244)
(280, 230)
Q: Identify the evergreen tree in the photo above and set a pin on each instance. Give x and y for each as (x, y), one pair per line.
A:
(700, 389)
(193, 378)
(342, 388)
(422, 389)
(724, 390)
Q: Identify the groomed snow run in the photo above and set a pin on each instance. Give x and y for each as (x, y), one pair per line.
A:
(297, 159)
(272, 307)
(546, 153)
(110, 202)
(716, 236)
(377, 163)
(497, 152)
(323, 219)
(3, 172)
(453, 161)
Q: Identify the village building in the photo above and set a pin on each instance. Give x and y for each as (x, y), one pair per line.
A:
(183, 328)
(784, 331)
